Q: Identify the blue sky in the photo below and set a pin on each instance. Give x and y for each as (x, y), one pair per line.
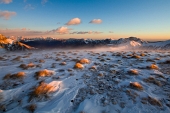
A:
(146, 19)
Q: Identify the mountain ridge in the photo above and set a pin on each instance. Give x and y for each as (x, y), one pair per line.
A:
(131, 42)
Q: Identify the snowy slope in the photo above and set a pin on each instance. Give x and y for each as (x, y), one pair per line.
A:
(158, 45)
(103, 88)
(129, 45)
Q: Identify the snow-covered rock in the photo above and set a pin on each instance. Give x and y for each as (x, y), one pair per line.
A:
(11, 45)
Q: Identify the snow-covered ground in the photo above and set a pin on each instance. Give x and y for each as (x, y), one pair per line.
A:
(105, 85)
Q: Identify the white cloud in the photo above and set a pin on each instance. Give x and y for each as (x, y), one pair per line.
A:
(110, 31)
(86, 32)
(74, 21)
(61, 30)
(44, 1)
(28, 6)
(5, 1)
(82, 32)
(96, 21)
(21, 32)
(97, 32)
(7, 14)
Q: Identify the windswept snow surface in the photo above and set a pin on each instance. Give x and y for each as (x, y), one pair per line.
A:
(102, 86)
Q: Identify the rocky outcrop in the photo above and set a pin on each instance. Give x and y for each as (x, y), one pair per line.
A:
(12, 45)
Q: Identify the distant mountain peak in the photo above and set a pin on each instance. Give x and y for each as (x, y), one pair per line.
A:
(125, 40)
